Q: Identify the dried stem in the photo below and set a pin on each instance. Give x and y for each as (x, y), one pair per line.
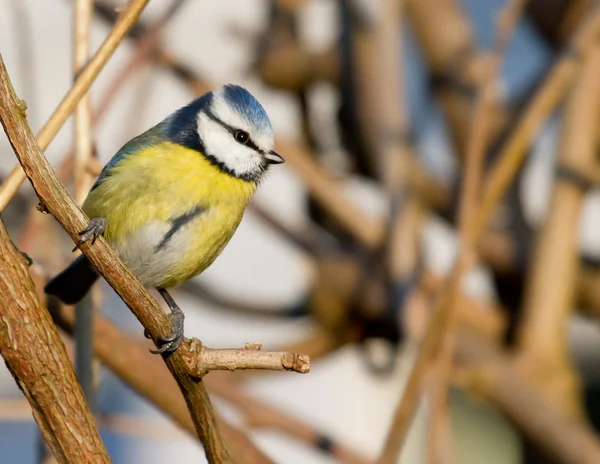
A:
(59, 203)
(258, 414)
(82, 116)
(126, 20)
(444, 322)
(566, 438)
(202, 360)
(468, 203)
(543, 103)
(37, 359)
(550, 295)
(83, 145)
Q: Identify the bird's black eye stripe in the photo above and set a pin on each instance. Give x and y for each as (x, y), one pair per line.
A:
(244, 136)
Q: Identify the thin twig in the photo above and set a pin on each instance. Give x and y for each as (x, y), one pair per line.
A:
(548, 96)
(126, 20)
(476, 150)
(568, 439)
(445, 321)
(83, 146)
(202, 360)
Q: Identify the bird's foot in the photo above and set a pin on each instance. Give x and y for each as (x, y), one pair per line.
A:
(95, 229)
(172, 341)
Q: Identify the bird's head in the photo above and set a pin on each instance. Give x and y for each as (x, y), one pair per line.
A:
(231, 128)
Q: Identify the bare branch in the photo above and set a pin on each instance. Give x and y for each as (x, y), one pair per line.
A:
(202, 360)
(79, 89)
(37, 359)
(566, 437)
(547, 97)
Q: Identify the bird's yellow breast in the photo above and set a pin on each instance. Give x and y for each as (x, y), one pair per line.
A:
(146, 190)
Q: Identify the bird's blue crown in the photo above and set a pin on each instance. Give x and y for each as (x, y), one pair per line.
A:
(246, 106)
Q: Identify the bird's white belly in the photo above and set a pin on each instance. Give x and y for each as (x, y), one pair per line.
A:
(149, 262)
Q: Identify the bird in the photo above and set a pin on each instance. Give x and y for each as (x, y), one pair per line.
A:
(170, 199)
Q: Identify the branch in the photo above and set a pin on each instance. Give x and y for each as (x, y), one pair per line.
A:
(201, 360)
(56, 199)
(550, 294)
(76, 93)
(83, 180)
(146, 374)
(567, 438)
(259, 414)
(37, 359)
(547, 98)
(477, 143)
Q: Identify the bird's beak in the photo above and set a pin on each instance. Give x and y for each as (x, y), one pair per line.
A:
(273, 158)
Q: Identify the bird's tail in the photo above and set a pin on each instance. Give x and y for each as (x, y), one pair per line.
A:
(74, 282)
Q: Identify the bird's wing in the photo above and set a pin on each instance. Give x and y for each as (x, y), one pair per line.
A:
(150, 138)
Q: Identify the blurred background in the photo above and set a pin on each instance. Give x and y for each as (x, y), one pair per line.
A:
(345, 251)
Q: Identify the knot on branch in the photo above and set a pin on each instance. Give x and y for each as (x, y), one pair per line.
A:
(200, 360)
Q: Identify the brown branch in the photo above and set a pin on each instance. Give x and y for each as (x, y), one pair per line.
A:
(445, 321)
(548, 96)
(37, 359)
(82, 116)
(202, 360)
(58, 202)
(132, 363)
(550, 294)
(476, 149)
(258, 414)
(565, 437)
(126, 20)
(447, 40)
(146, 374)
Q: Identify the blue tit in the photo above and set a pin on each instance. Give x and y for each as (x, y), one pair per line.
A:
(170, 199)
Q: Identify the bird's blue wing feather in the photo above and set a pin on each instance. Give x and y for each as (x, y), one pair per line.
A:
(150, 138)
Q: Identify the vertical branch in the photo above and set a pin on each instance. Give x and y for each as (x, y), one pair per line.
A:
(444, 322)
(549, 299)
(126, 20)
(542, 104)
(82, 116)
(84, 348)
(447, 41)
(476, 149)
(37, 359)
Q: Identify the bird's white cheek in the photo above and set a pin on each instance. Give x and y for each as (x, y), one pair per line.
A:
(239, 158)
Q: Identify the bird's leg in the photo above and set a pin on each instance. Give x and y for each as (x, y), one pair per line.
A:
(95, 229)
(172, 341)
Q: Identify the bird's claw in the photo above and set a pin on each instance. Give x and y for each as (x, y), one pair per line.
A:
(95, 229)
(172, 341)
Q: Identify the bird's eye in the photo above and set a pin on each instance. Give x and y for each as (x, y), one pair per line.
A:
(241, 137)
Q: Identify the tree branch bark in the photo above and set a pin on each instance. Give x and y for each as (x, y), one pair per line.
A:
(37, 359)
(201, 360)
